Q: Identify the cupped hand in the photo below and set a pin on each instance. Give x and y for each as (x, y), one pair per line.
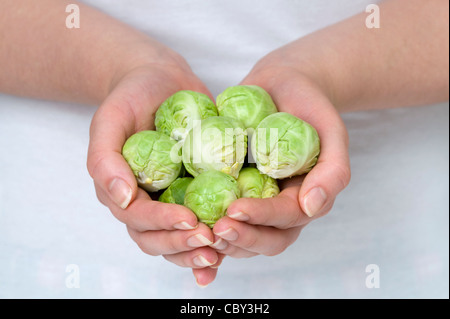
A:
(269, 226)
(157, 228)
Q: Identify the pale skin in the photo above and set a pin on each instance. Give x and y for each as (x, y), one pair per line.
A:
(344, 67)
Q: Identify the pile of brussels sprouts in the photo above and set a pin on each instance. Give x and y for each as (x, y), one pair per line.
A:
(205, 156)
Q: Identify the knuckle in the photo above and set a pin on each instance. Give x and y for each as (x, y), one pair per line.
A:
(296, 219)
(276, 251)
(173, 245)
(278, 246)
(249, 242)
(232, 251)
(284, 240)
(229, 250)
(343, 175)
(141, 242)
(94, 161)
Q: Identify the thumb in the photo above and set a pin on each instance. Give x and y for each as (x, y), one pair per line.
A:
(113, 176)
(331, 174)
(112, 124)
(129, 108)
(322, 185)
(105, 162)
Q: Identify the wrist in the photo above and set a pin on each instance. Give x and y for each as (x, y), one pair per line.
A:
(279, 73)
(322, 71)
(144, 56)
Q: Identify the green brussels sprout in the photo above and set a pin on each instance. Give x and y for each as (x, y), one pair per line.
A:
(248, 103)
(150, 156)
(284, 146)
(176, 115)
(174, 194)
(210, 194)
(216, 143)
(253, 184)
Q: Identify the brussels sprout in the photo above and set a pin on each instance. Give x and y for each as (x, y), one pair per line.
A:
(253, 184)
(216, 143)
(248, 103)
(210, 194)
(285, 146)
(174, 194)
(175, 115)
(149, 155)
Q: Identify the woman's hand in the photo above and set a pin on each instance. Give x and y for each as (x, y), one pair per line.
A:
(157, 228)
(269, 226)
(347, 67)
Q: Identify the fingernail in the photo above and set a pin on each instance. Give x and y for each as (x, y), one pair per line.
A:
(120, 192)
(184, 226)
(314, 200)
(219, 244)
(215, 266)
(201, 261)
(240, 216)
(198, 241)
(229, 234)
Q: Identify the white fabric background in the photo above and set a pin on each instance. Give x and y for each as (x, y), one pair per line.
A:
(393, 214)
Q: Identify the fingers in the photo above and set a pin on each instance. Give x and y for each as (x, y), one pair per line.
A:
(129, 108)
(110, 128)
(302, 198)
(294, 93)
(163, 242)
(223, 246)
(158, 229)
(107, 166)
(144, 214)
(282, 211)
(330, 175)
(204, 276)
(332, 172)
(237, 252)
(256, 239)
(198, 258)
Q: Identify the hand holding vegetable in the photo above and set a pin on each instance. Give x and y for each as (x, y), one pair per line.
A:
(268, 226)
(342, 67)
(158, 228)
(214, 150)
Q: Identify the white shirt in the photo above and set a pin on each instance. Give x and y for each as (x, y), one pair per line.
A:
(223, 39)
